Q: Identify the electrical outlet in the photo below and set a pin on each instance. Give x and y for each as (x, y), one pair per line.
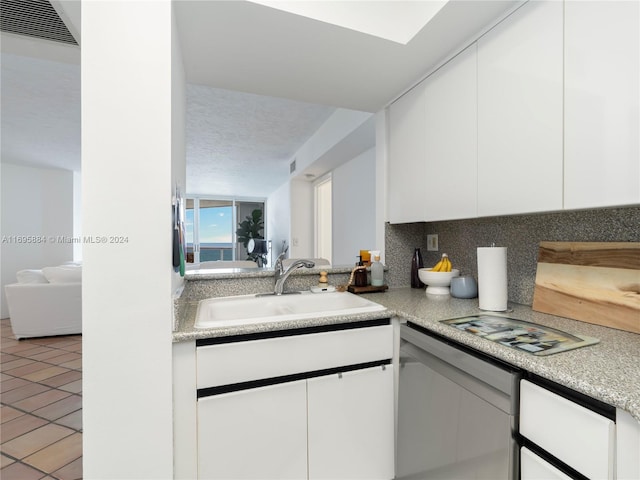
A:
(432, 243)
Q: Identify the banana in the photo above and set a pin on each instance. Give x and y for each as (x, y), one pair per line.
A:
(438, 266)
(447, 265)
(444, 265)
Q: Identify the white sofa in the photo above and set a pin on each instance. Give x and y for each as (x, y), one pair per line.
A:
(46, 302)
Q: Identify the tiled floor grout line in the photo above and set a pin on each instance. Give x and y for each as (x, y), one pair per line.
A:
(50, 474)
(43, 418)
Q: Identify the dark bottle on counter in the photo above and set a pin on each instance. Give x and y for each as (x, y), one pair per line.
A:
(360, 275)
(416, 263)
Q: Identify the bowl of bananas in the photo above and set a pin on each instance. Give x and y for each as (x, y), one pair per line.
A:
(438, 278)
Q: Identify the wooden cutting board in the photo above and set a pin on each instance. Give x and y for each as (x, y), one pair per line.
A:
(595, 282)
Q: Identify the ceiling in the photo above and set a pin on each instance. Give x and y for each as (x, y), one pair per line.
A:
(260, 82)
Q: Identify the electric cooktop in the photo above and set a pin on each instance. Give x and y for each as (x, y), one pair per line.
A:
(521, 335)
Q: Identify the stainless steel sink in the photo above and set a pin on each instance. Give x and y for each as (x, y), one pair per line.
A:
(252, 309)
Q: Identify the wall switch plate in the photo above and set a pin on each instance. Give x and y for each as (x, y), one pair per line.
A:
(432, 243)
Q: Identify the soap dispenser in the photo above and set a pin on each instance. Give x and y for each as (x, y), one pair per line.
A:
(360, 274)
(377, 270)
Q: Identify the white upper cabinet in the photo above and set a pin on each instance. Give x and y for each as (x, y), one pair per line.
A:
(602, 85)
(433, 144)
(520, 112)
(407, 170)
(451, 136)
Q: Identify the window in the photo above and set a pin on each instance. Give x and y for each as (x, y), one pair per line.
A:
(211, 226)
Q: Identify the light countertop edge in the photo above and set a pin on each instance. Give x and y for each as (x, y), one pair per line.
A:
(608, 371)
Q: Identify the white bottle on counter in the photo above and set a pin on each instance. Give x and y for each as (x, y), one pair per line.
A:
(377, 272)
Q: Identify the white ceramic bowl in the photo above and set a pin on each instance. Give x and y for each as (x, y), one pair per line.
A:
(437, 282)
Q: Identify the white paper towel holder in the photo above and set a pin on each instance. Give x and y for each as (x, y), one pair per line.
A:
(492, 278)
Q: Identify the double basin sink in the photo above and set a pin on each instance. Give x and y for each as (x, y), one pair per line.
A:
(259, 309)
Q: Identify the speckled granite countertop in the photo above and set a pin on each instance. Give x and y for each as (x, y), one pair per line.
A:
(608, 371)
(186, 315)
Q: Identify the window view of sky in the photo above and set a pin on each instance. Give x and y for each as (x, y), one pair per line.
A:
(215, 225)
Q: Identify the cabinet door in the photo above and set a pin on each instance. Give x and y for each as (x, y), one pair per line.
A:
(451, 136)
(406, 164)
(602, 85)
(627, 446)
(254, 434)
(581, 438)
(351, 432)
(520, 112)
(532, 467)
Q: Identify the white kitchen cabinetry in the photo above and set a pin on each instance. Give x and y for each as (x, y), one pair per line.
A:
(520, 68)
(451, 137)
(297, 404)
(350, 436)
(532, 467)
(627, 446)
(577, 436)
(433, 145)
(602, 101)
(254, 434)
(407, 169)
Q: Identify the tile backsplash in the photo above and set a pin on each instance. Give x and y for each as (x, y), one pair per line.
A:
(521, 234)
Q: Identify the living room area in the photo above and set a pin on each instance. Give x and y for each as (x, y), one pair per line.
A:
(40, 330)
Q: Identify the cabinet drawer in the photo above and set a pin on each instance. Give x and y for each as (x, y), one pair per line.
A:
(532, 467)
(579, 437)
(245, 361)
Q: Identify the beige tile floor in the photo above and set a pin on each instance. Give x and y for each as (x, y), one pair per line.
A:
(41, 406)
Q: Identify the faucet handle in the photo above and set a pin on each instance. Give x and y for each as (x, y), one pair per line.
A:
(278, 263)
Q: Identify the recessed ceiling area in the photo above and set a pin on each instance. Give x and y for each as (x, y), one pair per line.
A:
(252, 48)
(397, 21)
(261, 81)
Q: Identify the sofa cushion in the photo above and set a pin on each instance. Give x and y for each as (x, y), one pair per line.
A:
(31, 276)
(63, 274)
(73, 263)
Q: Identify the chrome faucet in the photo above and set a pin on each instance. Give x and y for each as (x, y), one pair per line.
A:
(281, 274)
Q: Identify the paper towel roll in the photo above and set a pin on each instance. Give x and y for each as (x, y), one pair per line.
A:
(492, 278)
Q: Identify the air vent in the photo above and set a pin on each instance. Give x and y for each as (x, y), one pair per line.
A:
(34, 18)
(292, 166)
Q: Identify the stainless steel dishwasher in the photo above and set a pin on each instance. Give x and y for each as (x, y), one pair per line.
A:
(457, 411)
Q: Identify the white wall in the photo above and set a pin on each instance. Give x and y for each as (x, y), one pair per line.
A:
(279, 218)
(382, 155)
(301, 219)
(354, 208)
(127, 190)
(345, 134)
(77, 215)
(36, 202)
(178, 143)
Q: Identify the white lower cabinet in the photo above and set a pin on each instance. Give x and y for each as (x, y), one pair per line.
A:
(259, 433)
(334, 419)
(581, 438)
(350, 425)
(532, 467)
(337, 426)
